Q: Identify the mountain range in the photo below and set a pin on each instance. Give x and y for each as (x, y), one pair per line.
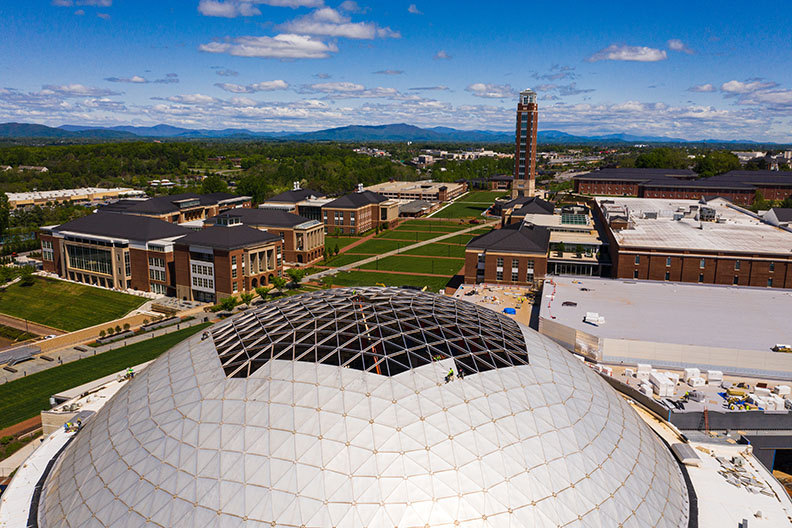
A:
(399, 132)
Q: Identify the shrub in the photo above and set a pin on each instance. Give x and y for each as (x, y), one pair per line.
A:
(111, 330)
(126, 326)
(102, 333)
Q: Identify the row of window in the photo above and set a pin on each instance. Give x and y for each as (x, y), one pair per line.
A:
(702, 263)
(156, 262)
(203, 282)
(157, 275)
(515, 264)
(159, 289)
(736, 280)
(200, 269)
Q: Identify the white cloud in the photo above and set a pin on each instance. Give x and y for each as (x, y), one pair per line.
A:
(283, 46)
(438, 88)
(225, 72)
(103, 16)
(563, 89)
(618, 52)
(350, 90)
(702, 88)
(75, 90)
(80, 12)
(442, 55)
(678, 45)
(334, 87)
(774, 98)
(189, 99)
(389, 72)
(350, 7)
(246, 8)
(133, 79)
(326, 21)
(492, 91)
(265, 86)
(413, 9)
(95, 3)
(749, 86)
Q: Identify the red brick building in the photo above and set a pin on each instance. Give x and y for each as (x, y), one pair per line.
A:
(525, 145)
(180, 208)
(303, 239)
(515, 254)
(113, 251)
(710, 242)
(218, 262)
(358, 212)
(739, 187)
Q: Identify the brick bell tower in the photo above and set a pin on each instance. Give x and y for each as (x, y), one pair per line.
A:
(525, 148)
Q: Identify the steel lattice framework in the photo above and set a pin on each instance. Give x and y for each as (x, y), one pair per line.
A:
(381, 330)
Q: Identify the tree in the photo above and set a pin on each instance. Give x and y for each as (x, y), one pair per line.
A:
(757, 164)
(663, 158)
(296, 275)
(246, 297)
(126, 326)
(327, 281)
(228, 303)
(716, 162)
(102, 333)
(279, 283)
(118, 329)
(335, 249)
(111, 330)
(579, 250)
(759, 202)
(262, 291)
(27, 278)
(213, 184)
(560, 247)
(5, 213)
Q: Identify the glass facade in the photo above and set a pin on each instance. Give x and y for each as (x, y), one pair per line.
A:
(90, 259)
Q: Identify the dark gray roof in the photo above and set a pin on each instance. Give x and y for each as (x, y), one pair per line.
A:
(501, 177)
(123, 226)
(227, 237)
(263, 217)
(295, 196)
(784, 214)
(516, 238)
(530, 205)
(165, 204)
(355, 200)
(756, 177)
(416, 206)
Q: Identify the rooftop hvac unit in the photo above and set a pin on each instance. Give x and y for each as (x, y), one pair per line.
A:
(594, 318)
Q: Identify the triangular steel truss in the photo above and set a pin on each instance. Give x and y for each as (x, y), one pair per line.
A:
(381, 330)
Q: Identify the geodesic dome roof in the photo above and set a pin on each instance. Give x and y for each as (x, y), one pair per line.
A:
(529, 437)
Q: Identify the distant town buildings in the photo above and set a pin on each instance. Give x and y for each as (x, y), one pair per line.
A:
(81, 195)
(525, 148)
(419, 190)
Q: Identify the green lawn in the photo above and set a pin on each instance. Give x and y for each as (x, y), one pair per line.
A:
(417, 265)
(413, 236)
(462, 210)
(65, 305)
(378, 245)
(344, 259)
(365, 278)
(342, 241)
(482, 231)
(423, 222)
(482, 196)
(26, 397)
(438, 250)
(448, 227)
(461, 240)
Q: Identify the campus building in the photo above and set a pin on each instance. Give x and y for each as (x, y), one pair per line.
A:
(334, 408)
(289, 200)
(515, 210)
(525, 145)
(113, 251)
(220, 261)
(303, 239)
(710, 242)
(180, 208)
(513, 254)
(739, 187)
(419, 190)
(81, 195)
(358, 212)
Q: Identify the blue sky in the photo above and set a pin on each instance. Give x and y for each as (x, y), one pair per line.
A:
(692, 70)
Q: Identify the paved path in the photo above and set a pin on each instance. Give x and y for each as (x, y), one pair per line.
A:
(319, 275)
(28, 326)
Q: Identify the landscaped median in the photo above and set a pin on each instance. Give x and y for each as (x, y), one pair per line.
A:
(25, 397)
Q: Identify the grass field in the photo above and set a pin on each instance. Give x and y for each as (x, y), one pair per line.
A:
(366, 278)
(432, 228)
(65, 305)
(26, 397)
(410, 264)
(412, 236)
(438, 250)
(378, 245)
(463, 210)
(482, 196)
(423, 222)
(342, 241)
(345, 259)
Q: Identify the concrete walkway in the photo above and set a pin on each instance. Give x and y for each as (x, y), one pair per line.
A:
(353, 265)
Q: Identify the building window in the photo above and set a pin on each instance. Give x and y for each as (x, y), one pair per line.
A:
(47, 252)
(90, 259)
(637, 259)
(668, 275)
(515, 264)
(701, 277)
(668, 261)
(772, 266)
(500, 262)
(233, 273)
(324, 215)
(352, 218)
(736, 280)
(737, 265)
(635, 274)
(515, 276)
(769, 283)
(233, 260)
(499, 275)
(236, 287)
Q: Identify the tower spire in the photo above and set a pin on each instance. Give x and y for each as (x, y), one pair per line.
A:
(525, 145)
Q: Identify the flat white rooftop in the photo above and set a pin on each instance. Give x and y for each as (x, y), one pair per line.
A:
(68, 193)
(738, 231)
(671, 312)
